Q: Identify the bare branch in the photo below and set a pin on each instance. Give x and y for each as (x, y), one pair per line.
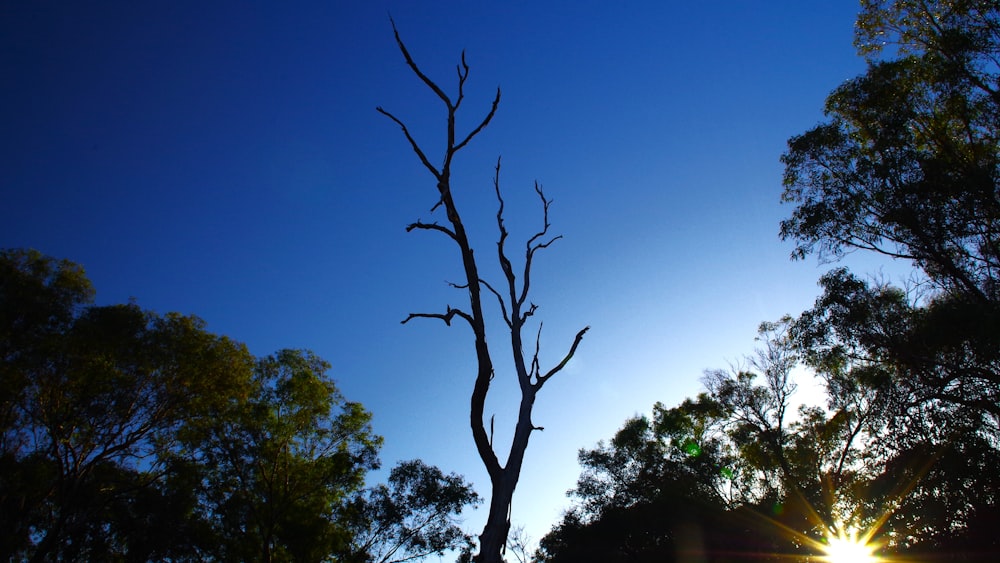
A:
(545, 216)
(530, 312)
(536, 369)
(413, 142)
(432, 227)
(505, 264)
(416, 70)
(503, 304)
(533, 246)
(446, 317)
(576, 342)
(482, 125)
(463, 75)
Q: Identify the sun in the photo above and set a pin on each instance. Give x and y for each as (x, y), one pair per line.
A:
(848, 548)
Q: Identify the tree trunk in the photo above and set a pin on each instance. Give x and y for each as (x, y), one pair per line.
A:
(494, 536)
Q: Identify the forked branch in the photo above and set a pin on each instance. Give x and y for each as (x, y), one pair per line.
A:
(514, 307)
(416, 70)
(569, 356)
(432, 227)
(413, 142)
(518, 298)
(447, 316)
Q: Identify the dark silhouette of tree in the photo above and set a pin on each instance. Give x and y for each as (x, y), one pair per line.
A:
(127, 435)
(512, 295)
(734, 470)
(97, 393)
(278, 463)
(906, 446)
(908, 166)
(676, 487)
(410, 518)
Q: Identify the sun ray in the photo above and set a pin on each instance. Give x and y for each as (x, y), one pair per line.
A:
(847, 547)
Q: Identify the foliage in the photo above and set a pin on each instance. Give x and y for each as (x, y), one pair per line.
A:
(731, 474)
(96, 392)
(702, 477)
(907, 166)
(907, 443)
(128, 435)
(415, 515)
(278, 463)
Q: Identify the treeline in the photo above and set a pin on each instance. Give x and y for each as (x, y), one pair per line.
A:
(737, 474)
(905, 452)
(131, 436)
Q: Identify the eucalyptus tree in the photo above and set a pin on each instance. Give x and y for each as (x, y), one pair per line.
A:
(512, 295)
(95, 394)
(128, 435)
(278, 464)
(908, 166)
(411, 517)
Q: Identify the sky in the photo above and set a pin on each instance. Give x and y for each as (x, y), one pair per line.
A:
(225, 159)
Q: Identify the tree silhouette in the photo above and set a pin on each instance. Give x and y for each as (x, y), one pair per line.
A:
(515, 307)
(907, 167)
(130, 436)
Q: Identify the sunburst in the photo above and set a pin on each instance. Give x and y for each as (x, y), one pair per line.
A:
(847, 547)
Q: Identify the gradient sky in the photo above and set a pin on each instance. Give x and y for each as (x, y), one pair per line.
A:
(225, 159)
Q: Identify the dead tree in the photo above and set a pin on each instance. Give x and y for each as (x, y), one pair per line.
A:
(516, 309)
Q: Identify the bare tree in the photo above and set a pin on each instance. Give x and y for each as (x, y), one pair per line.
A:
(516, 309)
(518, 544)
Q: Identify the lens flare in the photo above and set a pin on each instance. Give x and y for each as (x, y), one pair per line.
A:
(848, 548)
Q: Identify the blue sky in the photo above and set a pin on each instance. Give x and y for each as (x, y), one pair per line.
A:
(225, 159)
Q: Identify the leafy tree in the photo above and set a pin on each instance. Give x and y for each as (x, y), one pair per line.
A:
(97, 392)
(38, 298)
(512, 296)
(128, 435)
(649, 458)
(665, 489)
(414, 516)
(757, 415)
(732, 468)
(671, 485)
(280, 462)
(907, 166)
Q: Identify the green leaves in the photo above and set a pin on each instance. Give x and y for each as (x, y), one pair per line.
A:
(280, 461)
(97, 395)
(131, 435)
(907, 165)
(416, 515)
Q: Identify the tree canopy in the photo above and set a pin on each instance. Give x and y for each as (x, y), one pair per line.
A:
(138, 436)
(904, 446)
